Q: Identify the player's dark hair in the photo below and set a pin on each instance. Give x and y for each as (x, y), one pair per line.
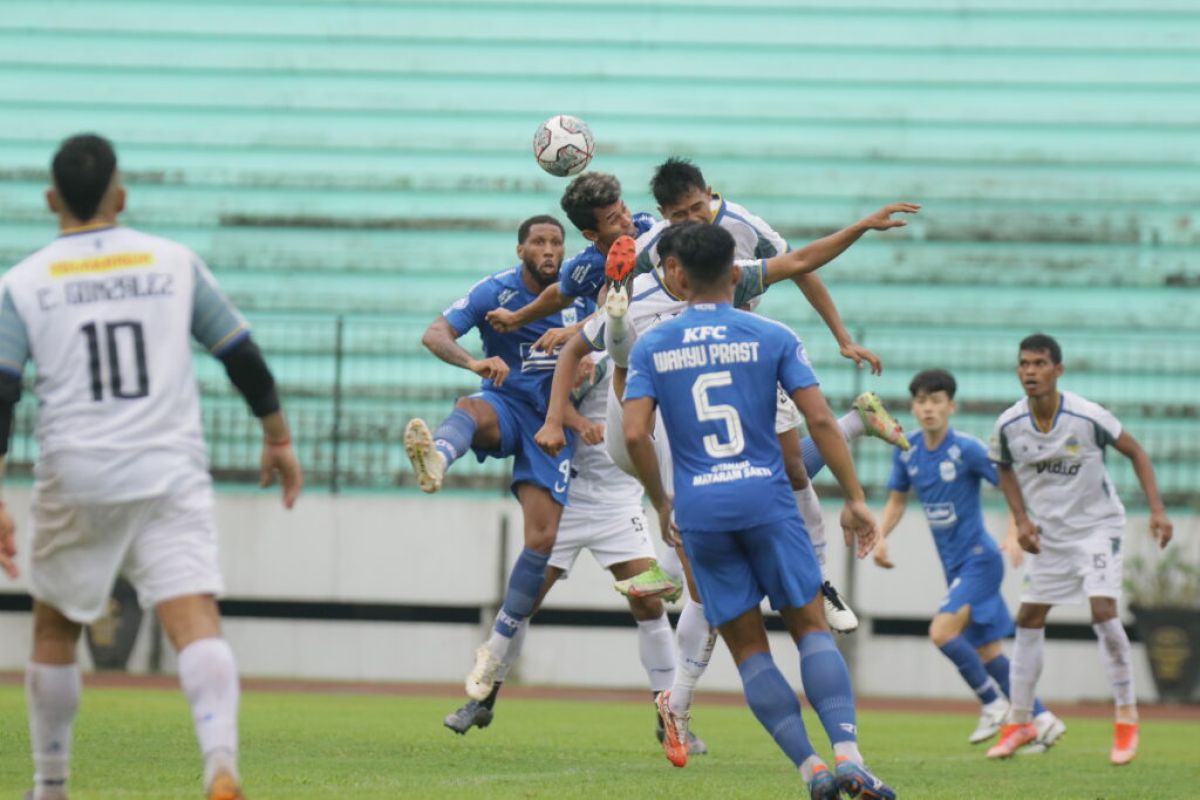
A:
(674, 178)
(933, 380)
(704, 251)
(540, 219)
(1042, 343)
(585, 194)
(83, 168)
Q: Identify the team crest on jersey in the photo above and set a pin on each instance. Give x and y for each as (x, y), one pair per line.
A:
(948, 471)
(1071, 447)
(570, 316)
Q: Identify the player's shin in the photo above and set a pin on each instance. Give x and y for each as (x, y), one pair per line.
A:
(999, 668)
(52, 693)
(971, 668)
(827, 684)
(453, 435)
(208, 675)
(810, 511)
(851, 426)
(775, 706)
(656, 647)
(619, 337)
(1117, 657)
(696, 641)
(1025, 671)
(523, 586)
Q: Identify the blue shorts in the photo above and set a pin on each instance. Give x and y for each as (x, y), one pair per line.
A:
(519, 422)
(735, 570)
(977, 583)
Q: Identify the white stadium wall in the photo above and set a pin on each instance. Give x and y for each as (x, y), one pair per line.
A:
(397, 588)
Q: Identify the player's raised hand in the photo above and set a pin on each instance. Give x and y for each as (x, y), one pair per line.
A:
(280, 458)
(502, 320)
(1029, 536)
(882, 556)
(493, 369)
(1161, 528)
(554, 339)
(859, 523)
(8, 544)
(882, 219)
(858, 354)
(550, 438)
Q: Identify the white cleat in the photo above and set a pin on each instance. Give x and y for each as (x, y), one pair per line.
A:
(483, 677)
(616, 305)
(428, 464)
(837, 612)
(991, 719)
(1049, 729)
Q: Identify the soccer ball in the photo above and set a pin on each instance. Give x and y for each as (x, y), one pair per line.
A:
(563, 145)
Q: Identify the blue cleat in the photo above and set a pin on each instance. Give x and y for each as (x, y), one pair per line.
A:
(856, 781)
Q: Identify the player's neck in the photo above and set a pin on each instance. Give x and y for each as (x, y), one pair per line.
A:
(69, 224)
(709, 298)
(1044, 409)
(934, 439)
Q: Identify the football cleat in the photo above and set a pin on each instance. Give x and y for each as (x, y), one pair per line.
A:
(696, 745)
(991, 719)
(878, 422)
(1050, 729)
(616, 304)
(675, 730)
(823, 785)
(1012, 738)
(225, 787)
(472, 714)
(428, 464)
(621, 260)
(857, 781)
(1125, 743)
(837, 613)
(482, 678)
(48, 793)
(654, 582)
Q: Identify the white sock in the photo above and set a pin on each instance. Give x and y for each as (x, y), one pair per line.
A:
(619, 337)
(851, 425)
(209, 678)
(1024, 671)
(1117, 656)
(52, 695)
(808, 767)
(810, 511)
(656, 647)
(671, 565)
(848, 750)
(514, 650)
(696, 641)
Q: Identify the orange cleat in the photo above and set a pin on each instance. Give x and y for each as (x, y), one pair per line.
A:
(225, 787)
(1125, 743)
(622, 257)
(1012, 738)
(675, 727)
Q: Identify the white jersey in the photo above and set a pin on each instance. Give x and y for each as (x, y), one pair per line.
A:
(753, 238)
(1063, 479)
(596, 482)
(107, 315)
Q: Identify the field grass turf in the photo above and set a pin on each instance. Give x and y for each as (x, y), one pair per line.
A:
(138, 743)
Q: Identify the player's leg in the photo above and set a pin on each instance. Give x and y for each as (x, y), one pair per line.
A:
(52, 690)
(867, 417)
(695, 639)
(1049, 727)
(946, 632)
(619, 335)
(474, 423)
(1026, 668)
(1102, 584)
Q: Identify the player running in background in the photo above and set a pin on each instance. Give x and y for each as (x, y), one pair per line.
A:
(500, 420)
(593, 204)
(107, 315)
(713, 372)
(945, 467)
(606, 517)
(1049, 448)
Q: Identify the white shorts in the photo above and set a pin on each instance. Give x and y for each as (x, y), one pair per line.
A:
(614, 414)
(613, 536)
(166, 546)
(787, 416)
(1073, 571)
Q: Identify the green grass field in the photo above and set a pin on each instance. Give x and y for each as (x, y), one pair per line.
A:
(138, 744)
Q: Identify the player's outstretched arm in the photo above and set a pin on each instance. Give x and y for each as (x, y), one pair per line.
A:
(816, 254)
(551, 437)
(1028, 535)
(893, 512)
(550, 301)
(441, 339)
(639, 424)
(1160, 526)
(857, 519)
(818, 297)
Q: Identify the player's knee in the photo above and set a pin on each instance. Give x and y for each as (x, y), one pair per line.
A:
(1031, 616)
(540, 538)
(645, 608)
(1103, 609)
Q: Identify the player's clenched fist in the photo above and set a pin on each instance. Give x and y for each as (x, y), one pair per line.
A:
(493, 369)
(551, 438)
(1029, 537)
(502, 320)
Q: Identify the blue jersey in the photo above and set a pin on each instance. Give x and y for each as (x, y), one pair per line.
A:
(530, 371)
(947, 483)
(582, 274)
(714, 371)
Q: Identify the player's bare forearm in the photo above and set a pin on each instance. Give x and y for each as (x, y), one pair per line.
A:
(829, 440)
(893, 511)
(1129, 447)
(813, 255)
(565, 371)
(1012, 493)
(639, 421)
(821, 300)
(275, 428)
(550, 301)
(442, 340)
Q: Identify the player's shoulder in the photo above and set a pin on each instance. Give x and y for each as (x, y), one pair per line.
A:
(649, 237)
(644, 221)
(1080, 406)
(766, 326)
(588, 256)
(1016, 411)
(968, 442)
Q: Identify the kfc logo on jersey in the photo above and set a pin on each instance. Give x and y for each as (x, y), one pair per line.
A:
(703, 333)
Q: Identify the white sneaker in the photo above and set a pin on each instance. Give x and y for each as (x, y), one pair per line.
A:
(991, 718)
(1049, 729)
(428, 464)
(483, 677)
(617, 303)
(837, 612)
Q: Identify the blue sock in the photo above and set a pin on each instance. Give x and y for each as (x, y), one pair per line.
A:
(775, 705)
(453, 436)
(523, 586)
(998, 669)
(827, 684)
(970, 666)
(814, 462)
